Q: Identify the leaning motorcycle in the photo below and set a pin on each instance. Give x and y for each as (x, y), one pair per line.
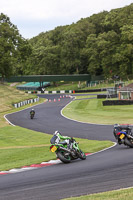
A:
(123, 134)
(65, 154)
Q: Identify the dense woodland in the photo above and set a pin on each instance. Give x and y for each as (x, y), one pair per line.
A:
(99, 45)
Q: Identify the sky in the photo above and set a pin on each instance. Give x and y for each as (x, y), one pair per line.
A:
(35, 16)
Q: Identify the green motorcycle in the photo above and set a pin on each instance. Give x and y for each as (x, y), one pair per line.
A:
(66, 153)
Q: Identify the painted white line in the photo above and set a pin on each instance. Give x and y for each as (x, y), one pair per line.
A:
(80, 121)
(103, 149)
(21, 169)
(8, 120)
(55, 161)
(51, 162)
(31, 167)
(19, 111)
(45, 164)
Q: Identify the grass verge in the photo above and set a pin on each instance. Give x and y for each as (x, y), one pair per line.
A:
(123, 194)
(76, 86)
(8, 96)
(20, 147)
(92, 111)
(86, 96)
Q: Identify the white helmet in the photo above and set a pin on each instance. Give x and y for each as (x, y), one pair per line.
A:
(56, 133)
(116, 125)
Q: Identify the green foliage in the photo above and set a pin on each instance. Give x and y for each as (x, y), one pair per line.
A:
(13, 48)
(100, 45)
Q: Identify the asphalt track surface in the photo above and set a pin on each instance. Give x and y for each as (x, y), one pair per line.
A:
(103, 171)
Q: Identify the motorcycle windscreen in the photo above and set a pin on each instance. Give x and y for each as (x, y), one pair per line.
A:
(53, 139)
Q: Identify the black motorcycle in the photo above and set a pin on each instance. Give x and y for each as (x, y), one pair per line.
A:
(123, 134)
(32, 113)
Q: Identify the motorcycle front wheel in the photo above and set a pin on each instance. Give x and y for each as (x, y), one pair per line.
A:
(64, 158)
(31, 116)
(81, 155)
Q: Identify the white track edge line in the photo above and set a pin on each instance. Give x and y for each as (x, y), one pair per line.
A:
(103, 149)
(80, 121)
(19, 111)
(52, 162)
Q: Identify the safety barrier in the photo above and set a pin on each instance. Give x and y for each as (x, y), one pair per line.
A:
(51, 92)
(67, 91)
(117, 102)
(23, 103)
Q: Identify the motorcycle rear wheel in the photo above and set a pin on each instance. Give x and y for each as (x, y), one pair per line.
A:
(128, 142)
(63, 158)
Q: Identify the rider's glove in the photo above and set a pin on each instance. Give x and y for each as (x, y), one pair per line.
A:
(71, 139)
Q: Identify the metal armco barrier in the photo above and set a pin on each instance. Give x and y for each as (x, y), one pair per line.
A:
(50, 92)
(67, 91)
(23, 103)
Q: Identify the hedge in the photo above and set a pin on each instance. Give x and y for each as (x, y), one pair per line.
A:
(117, 102)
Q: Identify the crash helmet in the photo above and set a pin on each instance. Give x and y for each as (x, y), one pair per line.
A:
(116, 125)
(57, 133)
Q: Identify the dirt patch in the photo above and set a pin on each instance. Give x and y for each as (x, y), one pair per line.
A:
(13, 84)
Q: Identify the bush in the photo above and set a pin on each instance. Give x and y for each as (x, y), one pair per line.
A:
(117, 102)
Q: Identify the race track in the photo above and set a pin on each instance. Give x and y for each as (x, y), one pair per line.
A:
(107, 170)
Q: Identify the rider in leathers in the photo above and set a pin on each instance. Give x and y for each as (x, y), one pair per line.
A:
(57, 138)
(32, 112)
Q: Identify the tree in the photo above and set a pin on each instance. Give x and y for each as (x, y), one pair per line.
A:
(92, 54)
(126, 50)
(73, 42)
(13, 48)
(99, 45)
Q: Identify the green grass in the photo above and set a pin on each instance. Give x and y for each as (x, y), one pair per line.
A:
(76, 86)
(20, 147)
(11, 136)
(124, 194)
(66, 86)
(8, 96)
(92, 111)
(86, 96)
(82, 86)
(15, 158)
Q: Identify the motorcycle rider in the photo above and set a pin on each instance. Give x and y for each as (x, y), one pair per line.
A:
(119, 129)
(59, 139)
(32, 112)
